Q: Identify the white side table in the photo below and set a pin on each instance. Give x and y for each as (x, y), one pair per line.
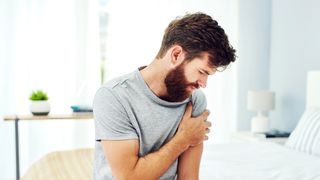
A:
(246, 136)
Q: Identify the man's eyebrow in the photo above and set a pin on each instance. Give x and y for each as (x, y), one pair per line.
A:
(207, 72)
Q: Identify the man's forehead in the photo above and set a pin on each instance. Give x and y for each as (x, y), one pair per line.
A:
(204, 63)
(208, 61)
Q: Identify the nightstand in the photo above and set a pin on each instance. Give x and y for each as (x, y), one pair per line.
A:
(245, 136)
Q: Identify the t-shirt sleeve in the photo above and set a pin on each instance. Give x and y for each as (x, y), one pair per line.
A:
(111, 119)
(199, 103)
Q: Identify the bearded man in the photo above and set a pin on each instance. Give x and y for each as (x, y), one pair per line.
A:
(151, 123)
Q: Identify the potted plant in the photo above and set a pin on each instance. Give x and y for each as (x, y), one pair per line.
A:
(39, 104)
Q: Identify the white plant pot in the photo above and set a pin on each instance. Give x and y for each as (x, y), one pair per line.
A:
(39, 107)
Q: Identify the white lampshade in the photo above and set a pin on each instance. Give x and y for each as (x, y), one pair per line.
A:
(261, 100)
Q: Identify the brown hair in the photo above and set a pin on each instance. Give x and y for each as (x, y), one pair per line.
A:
(198, 33)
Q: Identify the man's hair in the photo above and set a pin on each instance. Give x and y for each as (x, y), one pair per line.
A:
(198, 33)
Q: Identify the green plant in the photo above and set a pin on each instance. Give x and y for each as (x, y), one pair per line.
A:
(38, 96)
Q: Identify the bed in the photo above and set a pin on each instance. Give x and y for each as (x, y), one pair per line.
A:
(298, 159)
(258, 161)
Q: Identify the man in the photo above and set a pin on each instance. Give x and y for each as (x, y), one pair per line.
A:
(151, 123)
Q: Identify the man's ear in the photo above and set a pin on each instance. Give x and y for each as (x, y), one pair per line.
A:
(177, 55)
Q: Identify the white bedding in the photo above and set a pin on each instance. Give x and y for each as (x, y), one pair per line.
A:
(257, 161)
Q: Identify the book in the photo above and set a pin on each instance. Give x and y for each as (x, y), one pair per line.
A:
(80, 108)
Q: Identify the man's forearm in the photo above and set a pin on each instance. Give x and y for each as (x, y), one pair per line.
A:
(155, 164)
(189, 163)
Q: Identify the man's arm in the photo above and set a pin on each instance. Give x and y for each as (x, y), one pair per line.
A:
(189, 163)
(125, 162)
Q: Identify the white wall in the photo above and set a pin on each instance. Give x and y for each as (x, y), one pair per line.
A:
(278, 44)
(295, 46)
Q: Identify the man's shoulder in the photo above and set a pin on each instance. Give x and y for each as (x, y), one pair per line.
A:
(118, 82)
(198, 95)
(199, 102)
(114, 88)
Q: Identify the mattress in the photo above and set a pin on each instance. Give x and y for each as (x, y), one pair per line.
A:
(257, 161)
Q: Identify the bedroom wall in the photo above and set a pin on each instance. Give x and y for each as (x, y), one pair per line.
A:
(253, 54)
(295, 45)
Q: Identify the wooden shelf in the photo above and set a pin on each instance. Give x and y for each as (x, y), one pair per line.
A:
(80, 116)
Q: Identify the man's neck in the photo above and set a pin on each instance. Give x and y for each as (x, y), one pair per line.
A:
(154, 75)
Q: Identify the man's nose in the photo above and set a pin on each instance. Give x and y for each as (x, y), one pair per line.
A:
(203, 81)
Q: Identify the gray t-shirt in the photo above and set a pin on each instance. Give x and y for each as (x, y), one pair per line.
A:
(125, 108)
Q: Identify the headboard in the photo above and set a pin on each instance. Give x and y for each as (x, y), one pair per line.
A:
(313, 89)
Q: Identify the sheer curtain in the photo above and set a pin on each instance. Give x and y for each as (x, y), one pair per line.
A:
(135, 33)
(53, 46)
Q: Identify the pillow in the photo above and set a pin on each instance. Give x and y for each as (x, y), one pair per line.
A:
(306, 136)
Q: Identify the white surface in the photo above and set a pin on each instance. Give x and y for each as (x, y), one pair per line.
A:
(253, 137)
(257, 161)
(313, 89)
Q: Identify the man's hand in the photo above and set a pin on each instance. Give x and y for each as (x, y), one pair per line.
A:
(194, 130)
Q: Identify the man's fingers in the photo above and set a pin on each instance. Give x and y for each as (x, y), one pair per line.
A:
(205, 114)
(207, 130)
(188, 111)
(206, 137)
(208, 123)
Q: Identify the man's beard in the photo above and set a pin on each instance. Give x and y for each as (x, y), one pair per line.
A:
(177, 84)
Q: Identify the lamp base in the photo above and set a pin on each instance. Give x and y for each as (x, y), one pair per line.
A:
(259, 124)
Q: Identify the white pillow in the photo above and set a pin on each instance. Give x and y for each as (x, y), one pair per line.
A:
(306, 136)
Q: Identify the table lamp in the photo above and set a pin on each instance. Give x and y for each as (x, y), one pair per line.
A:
(261, 102)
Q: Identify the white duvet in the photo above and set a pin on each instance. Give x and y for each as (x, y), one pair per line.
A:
(257, 161)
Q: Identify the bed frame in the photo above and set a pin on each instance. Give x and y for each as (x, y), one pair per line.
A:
(313, 90)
